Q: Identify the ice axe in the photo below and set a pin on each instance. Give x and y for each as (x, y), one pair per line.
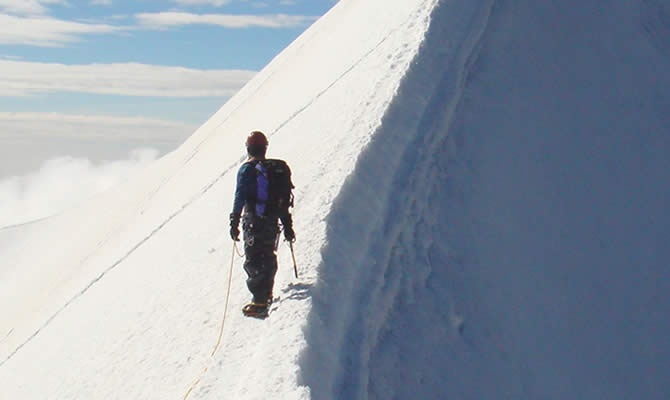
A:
(295, 265)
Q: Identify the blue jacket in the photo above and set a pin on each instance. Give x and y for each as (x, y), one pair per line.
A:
(252, 188)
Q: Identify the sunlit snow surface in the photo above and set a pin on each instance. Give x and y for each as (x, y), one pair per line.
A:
(482, 193)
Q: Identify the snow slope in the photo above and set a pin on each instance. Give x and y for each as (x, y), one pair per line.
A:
(516, 232)
(481, 213)
(123, 297)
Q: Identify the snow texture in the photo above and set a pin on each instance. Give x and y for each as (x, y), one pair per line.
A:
(480, 210)
(516, 233)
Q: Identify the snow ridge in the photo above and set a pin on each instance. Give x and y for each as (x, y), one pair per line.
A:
(368, 271)
(138, 282)
(500, 237)
(481, 213)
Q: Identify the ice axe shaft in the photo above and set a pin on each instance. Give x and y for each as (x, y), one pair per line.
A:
(295, 265)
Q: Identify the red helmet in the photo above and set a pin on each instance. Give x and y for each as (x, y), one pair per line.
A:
(257, 138)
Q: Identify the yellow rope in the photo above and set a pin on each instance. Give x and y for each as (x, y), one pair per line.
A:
(195, 383)
(225, 308)
(223, 322)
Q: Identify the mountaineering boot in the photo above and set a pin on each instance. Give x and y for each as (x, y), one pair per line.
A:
(256, 310)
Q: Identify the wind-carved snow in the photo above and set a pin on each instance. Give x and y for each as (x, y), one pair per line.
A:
(129, 305)
(387, 262)
(514, 216)
(481, 212)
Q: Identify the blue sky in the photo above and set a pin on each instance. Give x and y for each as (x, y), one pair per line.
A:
(68, 67)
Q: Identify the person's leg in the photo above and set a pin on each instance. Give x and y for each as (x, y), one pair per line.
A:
(261, 260)
(269, 272)
(253, 263)
(255, 279)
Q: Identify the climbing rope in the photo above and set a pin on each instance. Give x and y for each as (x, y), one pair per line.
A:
(239, 254)
(225, 307)
(223, 322)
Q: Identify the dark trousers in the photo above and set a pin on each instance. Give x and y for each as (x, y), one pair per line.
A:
(260, 238)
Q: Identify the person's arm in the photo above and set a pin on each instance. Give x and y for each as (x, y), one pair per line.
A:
(241, 192)
(287, 222)
(285, 216)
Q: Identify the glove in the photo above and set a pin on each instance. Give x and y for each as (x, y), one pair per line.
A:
(287, 221)
(235, 233)
(289, 235)
(234, 223)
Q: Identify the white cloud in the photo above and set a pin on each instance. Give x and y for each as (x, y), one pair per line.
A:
(21, 125)
(172, 19)
(27, 7)
(47, 32)
(27, 139)
(101, 2)
(214, 3)
(10, 57)
(20, 78)
(61, 183)
(44, 31)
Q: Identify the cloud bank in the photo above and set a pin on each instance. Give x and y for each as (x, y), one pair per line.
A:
(62, 183)
(29, 7)
(29, 25)
(163, 20)
(21, 125)
(28, 139)
(214, 3)
(20, 78)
